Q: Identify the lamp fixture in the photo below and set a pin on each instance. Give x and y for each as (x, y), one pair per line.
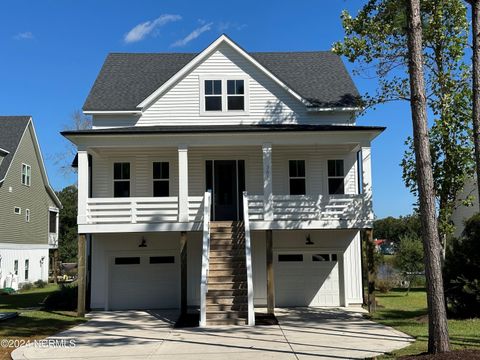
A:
(309, 241)
(143, 243)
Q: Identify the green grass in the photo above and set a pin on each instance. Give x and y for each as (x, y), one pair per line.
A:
(409, 315)
(33, 322)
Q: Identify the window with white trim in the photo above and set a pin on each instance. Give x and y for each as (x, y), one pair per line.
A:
(161, 179)
(27, 215)
(297, 179)
(26, 174)
(336, 177)
(27, 263)
(121, 179)
(224, 95)
(52, 222)
(15, 267)
(17, 210)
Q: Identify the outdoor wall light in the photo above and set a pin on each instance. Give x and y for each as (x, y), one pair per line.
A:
(143, 243)
(309, 241)
(42, 260)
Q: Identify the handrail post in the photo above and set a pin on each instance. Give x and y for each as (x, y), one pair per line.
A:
(248, 261)
(205, 258)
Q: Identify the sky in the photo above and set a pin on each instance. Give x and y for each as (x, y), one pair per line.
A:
(52, 50)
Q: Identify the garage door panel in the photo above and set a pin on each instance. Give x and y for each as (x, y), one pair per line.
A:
(145, 285)
(306, 282)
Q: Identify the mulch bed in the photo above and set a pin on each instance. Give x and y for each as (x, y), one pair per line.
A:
(459, 354)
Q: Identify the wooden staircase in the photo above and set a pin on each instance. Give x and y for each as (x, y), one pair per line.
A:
(227, 296)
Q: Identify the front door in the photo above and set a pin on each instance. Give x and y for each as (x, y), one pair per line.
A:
(226, 179)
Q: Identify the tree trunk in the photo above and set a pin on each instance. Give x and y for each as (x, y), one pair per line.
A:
(438, 340)
(476, 87)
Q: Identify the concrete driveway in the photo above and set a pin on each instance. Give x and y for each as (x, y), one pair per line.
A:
(302, 333)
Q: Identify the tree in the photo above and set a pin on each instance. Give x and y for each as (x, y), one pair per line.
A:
(437, 318)
(475, 4)
(68, 224)
(409, 257)
(394, 229)
(376, 40)
(78, 121)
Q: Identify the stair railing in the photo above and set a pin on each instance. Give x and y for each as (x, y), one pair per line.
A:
(248, 261)
(205, 258)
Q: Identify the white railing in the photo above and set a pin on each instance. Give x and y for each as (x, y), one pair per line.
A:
(248, 261)
(195, 208)
(309, 207)
(205, 258)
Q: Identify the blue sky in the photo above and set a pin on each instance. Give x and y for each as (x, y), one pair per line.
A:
(51, 52)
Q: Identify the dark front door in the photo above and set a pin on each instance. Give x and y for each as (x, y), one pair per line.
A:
(226, 179)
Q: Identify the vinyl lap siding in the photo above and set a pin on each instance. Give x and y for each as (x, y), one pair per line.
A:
(13, 227)
(269, 103)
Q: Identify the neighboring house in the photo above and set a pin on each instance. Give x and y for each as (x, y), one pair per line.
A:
(29, 206)
(462, 212)
(169, 127)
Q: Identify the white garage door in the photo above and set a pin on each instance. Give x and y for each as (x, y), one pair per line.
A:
(144, 281)
(306, 279)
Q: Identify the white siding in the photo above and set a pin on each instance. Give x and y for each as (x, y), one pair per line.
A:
(37, 270)
(269, 103)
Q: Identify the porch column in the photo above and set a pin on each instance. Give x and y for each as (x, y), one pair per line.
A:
(81, 274)
(267, 182)
(270, 276)
(83, 184)
(183, 183)
(367, 182)
(372, 271)
(184, 275)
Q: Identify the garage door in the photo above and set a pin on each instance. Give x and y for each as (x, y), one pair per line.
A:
(144, 281)
(306, 279)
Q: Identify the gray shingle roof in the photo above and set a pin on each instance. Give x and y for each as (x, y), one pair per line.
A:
(11, 131)
(126, 79)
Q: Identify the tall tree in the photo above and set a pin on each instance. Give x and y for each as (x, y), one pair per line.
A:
(438, 340)
(68, 224)
(475, 4)
(376, 40)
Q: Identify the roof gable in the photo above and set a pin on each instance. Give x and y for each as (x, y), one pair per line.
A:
(128, 82)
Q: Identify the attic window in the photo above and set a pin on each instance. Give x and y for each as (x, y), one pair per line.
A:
(223, 95)
(213, 95)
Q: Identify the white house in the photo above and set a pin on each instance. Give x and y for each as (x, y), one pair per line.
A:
(223, 181)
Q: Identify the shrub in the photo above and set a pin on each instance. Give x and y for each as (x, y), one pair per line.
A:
(385, 285)
(7, 291)
(63, 299)
(40, 284)
(409, 258)
(462, 271)
(27, 286)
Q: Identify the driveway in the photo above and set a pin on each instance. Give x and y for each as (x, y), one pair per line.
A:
(302, 333)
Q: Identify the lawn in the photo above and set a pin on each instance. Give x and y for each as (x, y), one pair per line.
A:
(408, 314)
(33, 322)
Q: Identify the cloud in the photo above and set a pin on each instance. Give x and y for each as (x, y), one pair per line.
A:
(193, 35)
(140, 31)
(227, 25)
(27, 35)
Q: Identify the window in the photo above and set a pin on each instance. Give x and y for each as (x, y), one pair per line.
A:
(15, 267)
(235, 95)
(213, 95)
(52, 222)
(290, 257)
(161, 179)
(121, 179)
(127, 260)
(335, 177)
(17, 210)
(320, 257)
(27, 215)
(296, 172)
(26, 269)
(26, 174)
(162, 259)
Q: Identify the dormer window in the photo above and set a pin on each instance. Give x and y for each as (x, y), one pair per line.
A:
(223, 96)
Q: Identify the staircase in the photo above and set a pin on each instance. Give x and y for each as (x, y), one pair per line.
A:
(227, 296)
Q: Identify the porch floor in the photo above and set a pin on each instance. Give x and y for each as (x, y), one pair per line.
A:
(302, 333)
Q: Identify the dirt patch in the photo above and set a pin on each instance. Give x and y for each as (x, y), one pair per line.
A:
(422, 319)
(452, 355)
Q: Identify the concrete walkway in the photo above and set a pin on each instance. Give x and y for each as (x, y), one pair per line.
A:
(303, 333)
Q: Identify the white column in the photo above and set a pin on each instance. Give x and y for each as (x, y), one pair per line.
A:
(267, 182)
(183, 183)
(83, 184)
(367, 181)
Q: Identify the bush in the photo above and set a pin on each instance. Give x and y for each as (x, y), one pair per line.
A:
(63, 299)
(385, 285)
(409, 258)
(462, 271)
(26, 287)
(40, 284)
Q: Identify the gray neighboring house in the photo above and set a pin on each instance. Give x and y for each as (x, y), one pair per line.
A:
(29, 206)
